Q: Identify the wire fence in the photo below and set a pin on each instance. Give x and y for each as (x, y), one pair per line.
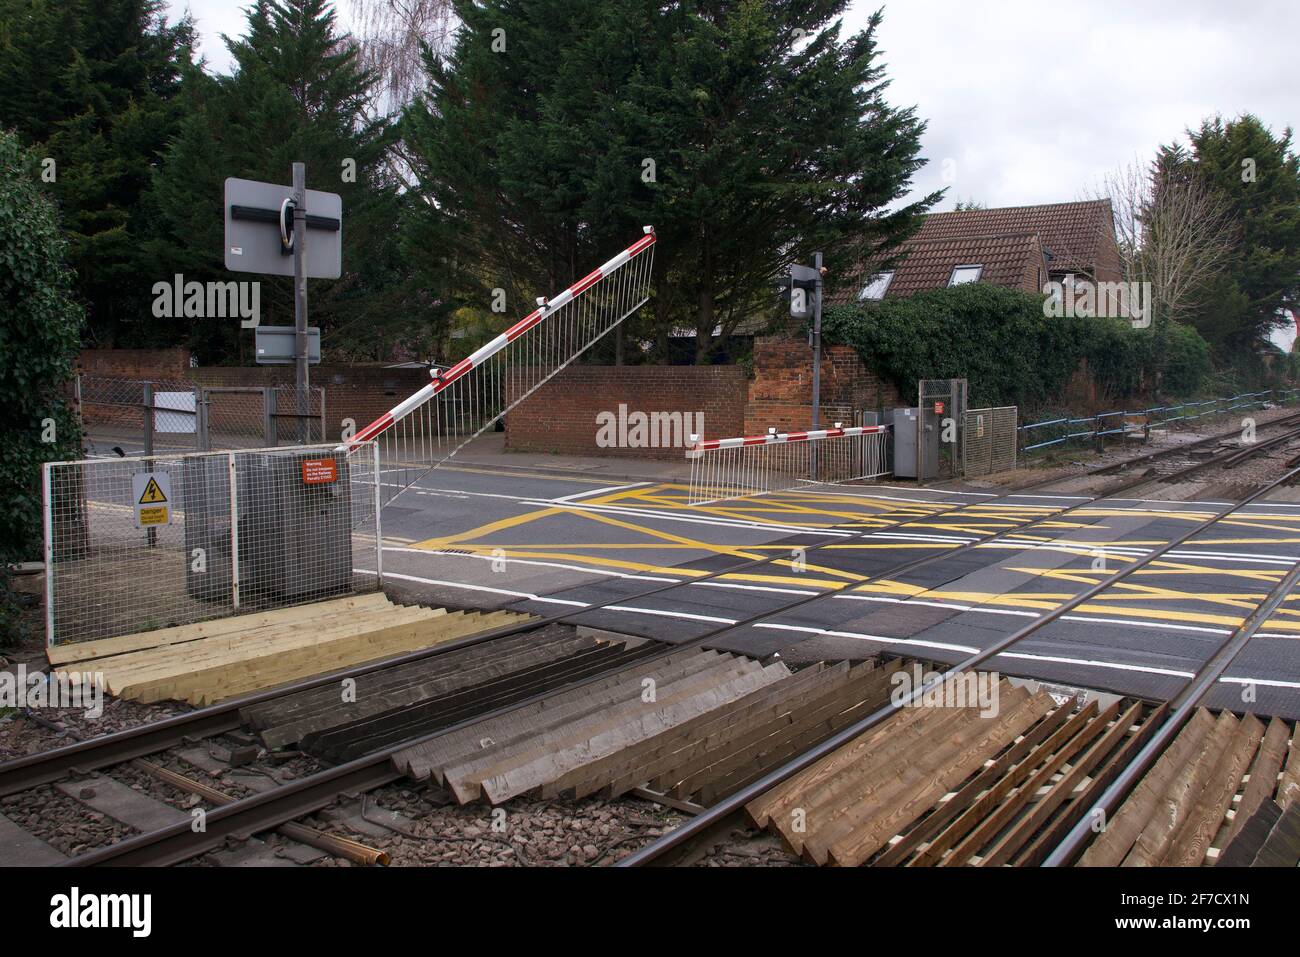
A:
(1068, 432)
(988, 441)
(723, 469)
(144, 416)
(150, 542)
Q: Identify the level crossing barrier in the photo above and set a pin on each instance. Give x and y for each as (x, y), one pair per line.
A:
(723, 469)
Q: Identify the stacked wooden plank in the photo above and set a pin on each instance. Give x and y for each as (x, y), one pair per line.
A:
(564, 738)
(956, 785)
(1216, 776)
(719, 752)
(213, 660)
(404, 702)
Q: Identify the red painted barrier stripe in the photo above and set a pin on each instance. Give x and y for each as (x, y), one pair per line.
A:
(454, 373)
(373, 429)
(523, 325)
(586, 282)
(641, 244)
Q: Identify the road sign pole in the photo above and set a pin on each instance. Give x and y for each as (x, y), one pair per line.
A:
(817, 355)
(302, 379)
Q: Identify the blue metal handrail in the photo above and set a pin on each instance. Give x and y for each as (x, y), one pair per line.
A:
(1156, 417)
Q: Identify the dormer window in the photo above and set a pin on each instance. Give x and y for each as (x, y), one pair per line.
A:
(876, 288)
(964, 274)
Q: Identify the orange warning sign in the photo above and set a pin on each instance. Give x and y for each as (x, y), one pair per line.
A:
(319, 471)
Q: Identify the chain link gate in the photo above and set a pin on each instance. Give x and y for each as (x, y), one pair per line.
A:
(942, 404)
(988, 439)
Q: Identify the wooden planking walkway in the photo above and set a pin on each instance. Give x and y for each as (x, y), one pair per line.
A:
(1208, 796)
(951, 786)
(577, 738)
(210, 661)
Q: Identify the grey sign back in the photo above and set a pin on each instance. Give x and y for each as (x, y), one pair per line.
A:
(253, 244)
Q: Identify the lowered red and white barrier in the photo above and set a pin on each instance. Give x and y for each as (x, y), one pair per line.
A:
(778, 438)
(463, 401)
(723, 469)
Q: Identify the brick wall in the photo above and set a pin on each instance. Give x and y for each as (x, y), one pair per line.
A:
(358, 392)
(562, 416)
(780, 395)
(170, 364)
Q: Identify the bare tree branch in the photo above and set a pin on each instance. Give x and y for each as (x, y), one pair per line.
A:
(391, 33)
(1174, 232)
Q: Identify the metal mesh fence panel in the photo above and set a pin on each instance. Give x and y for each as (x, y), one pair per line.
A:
(138, 415)
(149, 542)
(943, 404)
(246, 417)
(143, 416)
(989, 441)
(723, 469)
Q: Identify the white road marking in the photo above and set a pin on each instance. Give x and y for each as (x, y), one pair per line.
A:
(1024, 655)
(602, 491)
(674, 517)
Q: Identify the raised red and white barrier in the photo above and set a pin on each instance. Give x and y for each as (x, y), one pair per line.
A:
(444, 379)
(461, 402)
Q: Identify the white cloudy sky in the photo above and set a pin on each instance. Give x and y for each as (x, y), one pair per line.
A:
(1034, 101)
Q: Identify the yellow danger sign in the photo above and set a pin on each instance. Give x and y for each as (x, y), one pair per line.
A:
(154, 515)
(152, 494)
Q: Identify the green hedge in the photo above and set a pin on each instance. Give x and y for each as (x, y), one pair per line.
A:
(40, 331)
(1011, 354)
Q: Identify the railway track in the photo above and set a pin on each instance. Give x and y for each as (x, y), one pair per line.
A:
(367, 771)
(705, 826)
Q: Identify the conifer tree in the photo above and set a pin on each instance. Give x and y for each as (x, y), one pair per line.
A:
(749, 134)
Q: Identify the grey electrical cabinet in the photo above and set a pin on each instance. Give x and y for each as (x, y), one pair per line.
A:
(294, 524)
(905, 446)
(298, 522)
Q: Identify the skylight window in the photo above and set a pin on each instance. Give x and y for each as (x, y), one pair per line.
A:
(964, 274)
(877, 286)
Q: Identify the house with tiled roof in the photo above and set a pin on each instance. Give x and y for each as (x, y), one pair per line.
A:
(1019, 247)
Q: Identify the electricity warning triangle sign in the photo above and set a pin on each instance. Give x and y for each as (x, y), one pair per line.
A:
(152, 495)
(152, 492)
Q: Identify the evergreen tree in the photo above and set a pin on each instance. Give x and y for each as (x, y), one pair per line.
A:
(92, 85)
(749, 134)
(1259, 176)
(298, 94)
